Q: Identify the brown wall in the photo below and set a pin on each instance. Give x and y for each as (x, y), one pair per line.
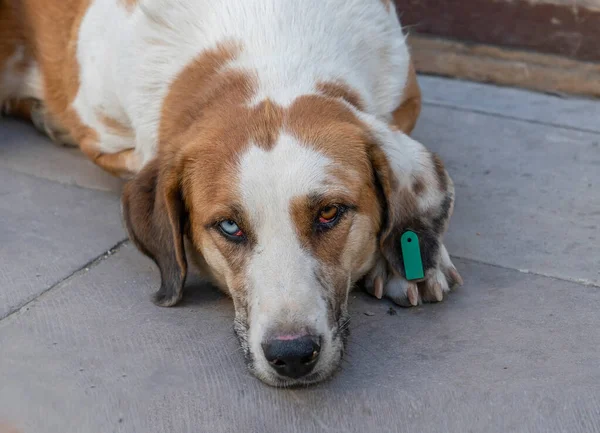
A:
(568, 28)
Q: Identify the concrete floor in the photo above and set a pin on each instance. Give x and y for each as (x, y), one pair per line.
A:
(517, 348)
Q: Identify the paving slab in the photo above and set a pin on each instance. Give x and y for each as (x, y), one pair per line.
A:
(506, 352)
(527, 195)
(24, 149)
(571, 112)
(48, 231)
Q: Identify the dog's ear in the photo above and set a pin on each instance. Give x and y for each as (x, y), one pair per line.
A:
(154, 214)
(416, 192)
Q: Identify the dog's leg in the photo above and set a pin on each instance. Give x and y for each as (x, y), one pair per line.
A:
(34, 110)
(440, 278)
(19, 108)
(124, 164)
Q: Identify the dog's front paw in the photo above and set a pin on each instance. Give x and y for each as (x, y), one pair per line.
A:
(46, 124)
(438, 281)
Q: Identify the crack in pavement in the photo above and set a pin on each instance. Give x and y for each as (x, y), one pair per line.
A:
(86, 267)
(508, 117)
(580, 281)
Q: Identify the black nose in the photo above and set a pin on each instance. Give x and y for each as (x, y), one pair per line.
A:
(294, 357)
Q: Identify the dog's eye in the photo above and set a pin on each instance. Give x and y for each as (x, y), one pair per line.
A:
(329, 216)
(231, 230)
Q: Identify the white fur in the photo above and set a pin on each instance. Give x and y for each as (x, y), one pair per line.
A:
(128, 60)
(409, 160)
(103, 67)
(269, 181)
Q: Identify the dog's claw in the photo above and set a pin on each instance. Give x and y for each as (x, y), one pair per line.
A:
(454, 278)
(378, 287)
(402, 292)
(437, 292)
(412, 293)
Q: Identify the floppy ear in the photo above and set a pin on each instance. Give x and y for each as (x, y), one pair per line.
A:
(417, 195)
(154, 214)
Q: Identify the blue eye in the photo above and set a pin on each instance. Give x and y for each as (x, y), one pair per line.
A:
(231, 230)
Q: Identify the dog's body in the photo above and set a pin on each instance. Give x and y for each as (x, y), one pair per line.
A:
(270, 135)
(104, 68)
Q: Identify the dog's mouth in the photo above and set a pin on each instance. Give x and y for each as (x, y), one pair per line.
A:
(324, 369)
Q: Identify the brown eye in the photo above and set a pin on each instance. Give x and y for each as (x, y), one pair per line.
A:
(328, 214)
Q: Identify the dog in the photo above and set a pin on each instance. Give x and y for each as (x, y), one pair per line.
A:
(266, 142)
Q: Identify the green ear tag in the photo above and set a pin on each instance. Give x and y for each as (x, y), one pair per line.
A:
(411, 253)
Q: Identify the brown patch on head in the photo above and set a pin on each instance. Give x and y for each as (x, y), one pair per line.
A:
(339, 89)
(211, 150)
(204, 86)
(207, 123)
(265, 121)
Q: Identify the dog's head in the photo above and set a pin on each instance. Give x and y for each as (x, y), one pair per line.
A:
(286, 207)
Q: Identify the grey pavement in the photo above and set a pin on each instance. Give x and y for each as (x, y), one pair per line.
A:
(516, 349)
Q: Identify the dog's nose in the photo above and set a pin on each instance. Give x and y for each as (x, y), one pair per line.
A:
(292, 356)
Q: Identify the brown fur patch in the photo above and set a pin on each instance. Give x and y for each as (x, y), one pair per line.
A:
(339, 89)
(123, 164)
(418, 186)
(115, 126)
(406, 115)
(11, 33)
(206, 124)
(20, 108)
(199, 87)
(440, 172)
(12, 39)
(52, 37)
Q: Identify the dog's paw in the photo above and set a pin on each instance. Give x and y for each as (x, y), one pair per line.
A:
(166, 298)
(43, 121)
(437, 282)
(440, 280)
